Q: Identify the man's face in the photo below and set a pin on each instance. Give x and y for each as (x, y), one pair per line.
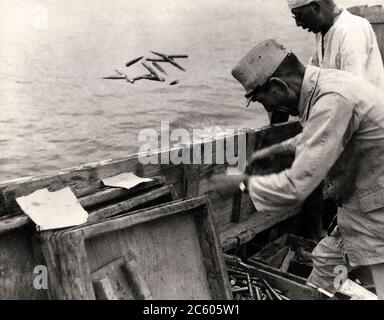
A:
(307, 18)
(275, 97)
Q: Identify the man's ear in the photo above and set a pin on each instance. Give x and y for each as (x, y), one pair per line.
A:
(275, 82)
(316, 6)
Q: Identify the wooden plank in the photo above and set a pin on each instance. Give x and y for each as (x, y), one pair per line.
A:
(105, 270)
(212, 256)
(110, 193)
(9, 223)
(104, 289)
(49, 251)
(242, 205)
(141, 216)
(285, 264)
(237, 234)
(76, 275)
(116, 286)
(154, 244)
(136, 281)
(191, 180)
(127, 205)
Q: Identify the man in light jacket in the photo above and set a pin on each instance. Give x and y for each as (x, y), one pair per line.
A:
(343, 41)
(342, 140)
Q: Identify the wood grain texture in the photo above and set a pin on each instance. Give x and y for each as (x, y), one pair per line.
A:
(136, 281)
(213, 257)
(76, 276)
(104, 290)
(17, 265)
(108, 194)
(191, 180)
(128, 205)
(109, 280)
(9, 223)
(176, 250)
(50, 252)
(141, 216)
(86, 179)
(239, 233)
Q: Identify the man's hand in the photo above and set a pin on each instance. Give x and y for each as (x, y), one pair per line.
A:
(264, 159)
(225, 185)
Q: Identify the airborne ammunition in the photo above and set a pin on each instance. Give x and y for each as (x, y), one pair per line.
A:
(153, 72)
(156, 60)
(115, 77)
(178, 56)
(125, 76)
(170, 56)
(171, 61)
(146, 77)
(156, 65)
(174, 82)
(133, 61)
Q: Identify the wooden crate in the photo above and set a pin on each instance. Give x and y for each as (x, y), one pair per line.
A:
(284, 255)
(169, 251)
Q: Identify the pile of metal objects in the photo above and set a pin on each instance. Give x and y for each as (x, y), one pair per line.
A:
(246, 286)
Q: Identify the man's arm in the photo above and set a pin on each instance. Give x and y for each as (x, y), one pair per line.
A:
(323, 140)
(265, 156)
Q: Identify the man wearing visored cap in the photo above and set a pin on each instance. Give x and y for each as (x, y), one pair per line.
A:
(342, 140)
(343, 41)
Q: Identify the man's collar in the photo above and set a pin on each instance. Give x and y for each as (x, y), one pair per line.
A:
(342, 12)
(309, 84)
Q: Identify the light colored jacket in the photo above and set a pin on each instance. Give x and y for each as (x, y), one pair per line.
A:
(351, 45)
(343, 139)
